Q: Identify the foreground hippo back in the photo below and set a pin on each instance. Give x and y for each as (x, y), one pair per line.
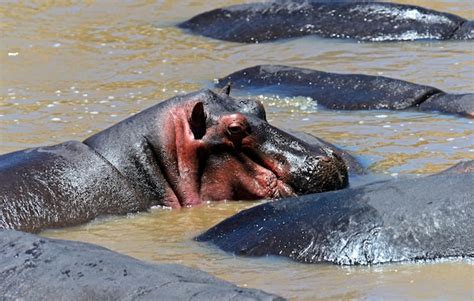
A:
(348, 91)
(363, 21)
(177, 153)
(38, 268)
(416, 219)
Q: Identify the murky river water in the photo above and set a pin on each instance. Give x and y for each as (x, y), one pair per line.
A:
(72, 68)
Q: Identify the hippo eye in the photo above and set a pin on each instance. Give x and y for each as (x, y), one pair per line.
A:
(236, 127)
(236, 130)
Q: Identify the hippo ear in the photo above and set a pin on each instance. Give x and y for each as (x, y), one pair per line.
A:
(197, 121)
(226, 89)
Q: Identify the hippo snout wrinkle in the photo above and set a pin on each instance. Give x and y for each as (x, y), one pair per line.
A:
(323, 173)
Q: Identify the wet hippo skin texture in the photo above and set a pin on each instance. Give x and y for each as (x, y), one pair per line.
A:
(348, 91)
(354, 167)
(38, 268)
(60, 185)
(414, 219)
(357, 20)
(465, 32)
(176, 153)
(461, 167)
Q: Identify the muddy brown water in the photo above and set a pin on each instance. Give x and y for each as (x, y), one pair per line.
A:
(72, 68)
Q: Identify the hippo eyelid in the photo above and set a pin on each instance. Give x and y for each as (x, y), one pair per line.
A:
(235, 129)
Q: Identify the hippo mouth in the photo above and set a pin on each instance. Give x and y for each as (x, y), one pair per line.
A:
(237, 175)
(251, 175)
(259, 177)
(273, 188)
(249, 171)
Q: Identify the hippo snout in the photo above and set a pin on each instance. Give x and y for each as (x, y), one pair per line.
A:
(322, 173)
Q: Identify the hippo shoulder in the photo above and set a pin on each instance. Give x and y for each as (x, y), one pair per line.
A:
(59, 185)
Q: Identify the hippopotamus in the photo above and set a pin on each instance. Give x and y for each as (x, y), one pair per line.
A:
(393, 221)
(348, 91)
(39, 268)
(203, 146)
(356, 20)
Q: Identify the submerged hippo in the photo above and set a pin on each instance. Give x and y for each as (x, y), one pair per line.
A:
(183, 151)
(39, 268)
(358, 20)
(415, 219)
(348, 91)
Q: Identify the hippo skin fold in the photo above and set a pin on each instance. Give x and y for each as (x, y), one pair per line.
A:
(402, 220)
(39, 268)
(355, 20)
(176, 154)
(348, 91)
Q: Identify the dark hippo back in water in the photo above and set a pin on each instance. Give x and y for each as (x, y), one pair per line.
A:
(38, 268)
(414, 219)
(348, 91)
(358, 20)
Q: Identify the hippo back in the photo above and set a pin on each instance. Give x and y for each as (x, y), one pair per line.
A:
(53, 187)
(394, 221)
(357, 20)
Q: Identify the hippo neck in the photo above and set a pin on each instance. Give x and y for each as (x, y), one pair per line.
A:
(124, 145)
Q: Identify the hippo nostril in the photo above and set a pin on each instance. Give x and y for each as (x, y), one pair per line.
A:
(321, 173)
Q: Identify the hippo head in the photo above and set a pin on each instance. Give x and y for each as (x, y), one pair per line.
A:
(209, 146)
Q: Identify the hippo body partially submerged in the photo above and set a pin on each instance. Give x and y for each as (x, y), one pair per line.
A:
(414, 219)
(38, 268)
(177, 153)
(357, 20)
(348, 91)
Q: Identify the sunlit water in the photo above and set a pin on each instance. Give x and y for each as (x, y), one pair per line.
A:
(70, 69)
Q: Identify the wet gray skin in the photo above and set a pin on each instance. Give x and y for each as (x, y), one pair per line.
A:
(38, 268)
(348, 91)
(416, 219)
(357, 20)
